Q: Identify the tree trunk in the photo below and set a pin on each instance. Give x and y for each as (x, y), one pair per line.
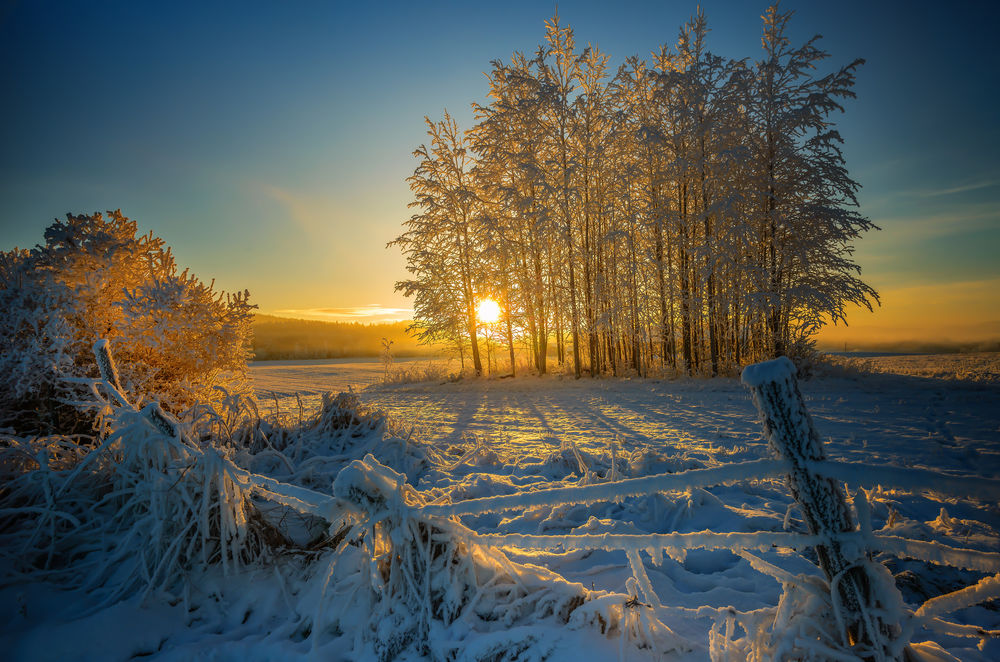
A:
(713, 341)
(685, 283)
(477, 363)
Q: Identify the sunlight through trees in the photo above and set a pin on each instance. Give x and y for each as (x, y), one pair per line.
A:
(687, 213)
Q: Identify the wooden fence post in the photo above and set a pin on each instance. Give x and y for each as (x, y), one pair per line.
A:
(792, 436)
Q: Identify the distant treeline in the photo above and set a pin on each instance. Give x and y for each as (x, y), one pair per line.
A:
(282, 338)
(918, 347)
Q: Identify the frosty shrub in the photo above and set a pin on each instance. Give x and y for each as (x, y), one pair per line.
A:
(41, 530)
(312, 452)
(176, 338)
(140, 512)
(173, 507)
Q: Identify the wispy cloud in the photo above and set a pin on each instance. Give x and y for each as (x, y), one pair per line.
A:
(888, 199)
(966, 291)
(976, 186)
(966, 218)
(369, 313)
(310, 213)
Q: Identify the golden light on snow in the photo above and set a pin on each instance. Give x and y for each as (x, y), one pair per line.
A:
(488, 312)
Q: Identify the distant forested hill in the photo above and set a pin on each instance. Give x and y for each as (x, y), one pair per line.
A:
(284, 338)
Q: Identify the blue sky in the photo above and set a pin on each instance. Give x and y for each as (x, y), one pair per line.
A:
(268, 143)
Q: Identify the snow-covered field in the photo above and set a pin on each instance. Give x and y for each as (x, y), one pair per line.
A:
(503, 436)
(976, 367)
(311, 379)
(935, 412)
(900, 416)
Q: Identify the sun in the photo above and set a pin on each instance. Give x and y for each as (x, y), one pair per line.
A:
(488, 312)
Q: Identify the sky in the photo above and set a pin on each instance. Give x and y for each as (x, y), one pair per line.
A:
(268, 143)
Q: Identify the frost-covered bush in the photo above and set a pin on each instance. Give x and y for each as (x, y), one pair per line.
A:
(140, 511)
(176, 338)
(40, 526)
(172, 507)
(312, 451)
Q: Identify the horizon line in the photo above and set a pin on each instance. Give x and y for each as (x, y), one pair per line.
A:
(365, 313)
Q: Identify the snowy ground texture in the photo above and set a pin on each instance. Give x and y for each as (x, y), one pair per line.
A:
(454, 441)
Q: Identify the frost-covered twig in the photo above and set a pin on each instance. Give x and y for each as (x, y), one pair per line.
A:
(730, 473)
(653, 543)
(929, 613)
(935, 552)
(987, 588)
(641, 578)
(913, 480)
(109, 371)
(299, 498)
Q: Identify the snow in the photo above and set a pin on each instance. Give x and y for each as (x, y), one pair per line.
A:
(369, 484)
(310, 379)
(768, 371)
(982, 367)
(654, 543)
(580, 482)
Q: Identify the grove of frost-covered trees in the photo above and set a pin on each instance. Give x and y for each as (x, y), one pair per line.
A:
(688, 213)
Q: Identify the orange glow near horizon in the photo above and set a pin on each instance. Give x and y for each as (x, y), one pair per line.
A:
(965, 312)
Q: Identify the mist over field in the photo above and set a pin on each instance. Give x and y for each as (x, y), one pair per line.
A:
(277, 338)
(945, 338)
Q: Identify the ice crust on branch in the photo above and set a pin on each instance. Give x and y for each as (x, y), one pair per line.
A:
(729, 473)
(935, 552)
(986, 589)
(910, 479)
